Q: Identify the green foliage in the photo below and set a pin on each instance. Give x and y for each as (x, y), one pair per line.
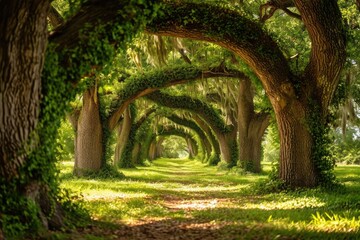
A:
(321, 155)
(73, 205)
(106, 172)
(61, 68)
(174, 147)
(214, 159)
(156, 78)
(126, 156)
(40, 165)
(15, 225)
(222, 26)
(191, 125)
(209, 114)
(234, 151)
(347, 151)
(271, 145)
(65, 142)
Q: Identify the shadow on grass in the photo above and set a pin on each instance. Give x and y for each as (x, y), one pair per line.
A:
(190, 229)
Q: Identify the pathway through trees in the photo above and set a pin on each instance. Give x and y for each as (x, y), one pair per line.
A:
(185, 199)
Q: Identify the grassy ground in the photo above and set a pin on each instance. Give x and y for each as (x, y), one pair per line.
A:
(184, 199)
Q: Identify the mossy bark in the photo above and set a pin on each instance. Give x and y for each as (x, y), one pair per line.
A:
(121, 141)
(89, 148)
(23, 31)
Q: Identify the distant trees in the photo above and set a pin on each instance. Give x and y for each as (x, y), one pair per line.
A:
(300, 99)
(40, 75)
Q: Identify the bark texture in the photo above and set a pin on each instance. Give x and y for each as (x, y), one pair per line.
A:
(89, 148)
(55, 18)
(23, 37)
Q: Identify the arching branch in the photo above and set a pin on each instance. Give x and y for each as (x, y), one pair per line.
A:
(268, 9)
(229, 29)
(328, 42)
(146, 83)
(193, 105)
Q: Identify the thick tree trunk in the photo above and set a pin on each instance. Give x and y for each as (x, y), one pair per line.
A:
(89, 148)
(23, 37)
(227, 144)
(123, 137)
(297, 168)
(251, 127)
(250, 149)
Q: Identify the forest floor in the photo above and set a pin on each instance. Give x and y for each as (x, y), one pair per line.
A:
(185, 199)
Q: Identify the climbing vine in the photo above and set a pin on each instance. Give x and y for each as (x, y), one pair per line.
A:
(321, 155)
(64, 67)
(126, 156)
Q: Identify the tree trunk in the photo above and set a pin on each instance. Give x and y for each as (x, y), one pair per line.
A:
(73, 119)
(159, 147)
(23, 37)
(251, 127)
(123, 136)
(152, 150)
(89, 148)
(214, 143)
(136, 153)
(284, 89)
(297, 168)
(228, 148)
(191, 149)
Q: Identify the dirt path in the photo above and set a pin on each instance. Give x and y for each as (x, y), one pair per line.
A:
(172, 199)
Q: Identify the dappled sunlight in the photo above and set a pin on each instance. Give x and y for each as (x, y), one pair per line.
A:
(287, 203)
(108, 196)
(192, 204)
(188, 196)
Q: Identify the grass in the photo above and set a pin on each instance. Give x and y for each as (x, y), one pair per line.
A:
(201, 202)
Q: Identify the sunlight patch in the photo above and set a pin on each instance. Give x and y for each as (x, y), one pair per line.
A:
(194, 204)
(111, 195)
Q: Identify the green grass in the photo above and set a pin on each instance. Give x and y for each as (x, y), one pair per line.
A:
(189, 196)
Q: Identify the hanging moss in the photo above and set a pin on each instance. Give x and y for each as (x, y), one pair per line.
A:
(226, 27)
(160, 78)
(194, 105)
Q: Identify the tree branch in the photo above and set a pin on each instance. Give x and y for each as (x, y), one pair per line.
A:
(323, 21)
(54, 17)
(228, 29)
(143, 84)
